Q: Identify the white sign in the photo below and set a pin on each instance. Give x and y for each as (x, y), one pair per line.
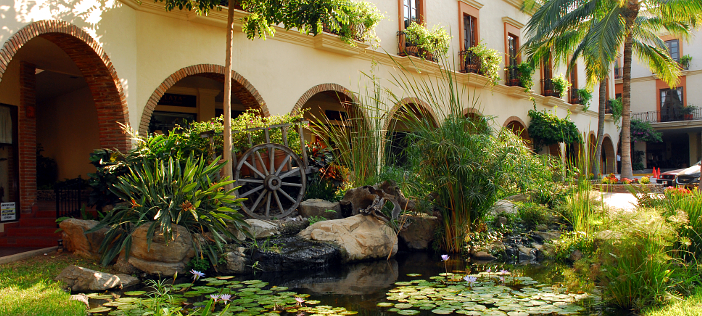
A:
(8, 212)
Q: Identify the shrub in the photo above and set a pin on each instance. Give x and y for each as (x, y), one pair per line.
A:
(436, 41)
(547, 128)
(165, 193)
(533, 214)
(645, 180)
(490, 61)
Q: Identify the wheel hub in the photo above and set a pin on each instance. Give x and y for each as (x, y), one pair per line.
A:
(272, 182)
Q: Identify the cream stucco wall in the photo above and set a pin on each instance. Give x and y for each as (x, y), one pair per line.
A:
(147, 45)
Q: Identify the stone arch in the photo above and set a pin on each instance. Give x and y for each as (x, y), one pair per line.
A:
(422, 106)
(472, 112)
(322, 88)
(94, 64)
(518, 127)
(241, 87)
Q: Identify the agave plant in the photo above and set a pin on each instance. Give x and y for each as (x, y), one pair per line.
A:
(161, 194)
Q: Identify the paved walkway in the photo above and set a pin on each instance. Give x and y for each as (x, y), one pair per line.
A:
(14, 250)
(622, 201)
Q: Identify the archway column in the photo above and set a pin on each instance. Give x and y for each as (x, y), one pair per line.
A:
(27, 137)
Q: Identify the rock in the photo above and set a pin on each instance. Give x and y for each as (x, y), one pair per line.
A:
(504, 207)
(502, 221)
(607, 235)
(518, 198)
(292, 226)
(483, 256)
(179, 249)
(81, 298)
(161, 258)
(262, 229)
(547, 250)
(295, 253)
(236, 261)
(361, 198)
(319, 207)
(541, 227)
(76, 241)
(360, 237)
(576, 255)
(358, 279)
(123, 266)
(127, 280)
(548, 235)
(526, 254)
(420, 232)
(158, 267)
(80, 279)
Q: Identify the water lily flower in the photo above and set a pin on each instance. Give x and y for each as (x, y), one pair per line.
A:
(299, 300)
(444, 257)
(504, 272)
(225, 297)
(215, 297)
(197, 274)
(488, 270)
(470, 279)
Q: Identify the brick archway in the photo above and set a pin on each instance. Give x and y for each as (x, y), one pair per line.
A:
(323, 88)
(518, 127)
(421, 106)
(241, 87)
(610, 157)
(102, 80)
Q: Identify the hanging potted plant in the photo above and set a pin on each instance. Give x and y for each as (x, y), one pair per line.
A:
(490, 61)
(526, 72)
(688, 112)
(685, 61)
(429, 44)
(560, 85)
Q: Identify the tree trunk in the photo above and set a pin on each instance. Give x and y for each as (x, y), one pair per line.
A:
(630, 16)
(600, 128)
(227, 105)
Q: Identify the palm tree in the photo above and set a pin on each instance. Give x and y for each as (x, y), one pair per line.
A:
(611, 24)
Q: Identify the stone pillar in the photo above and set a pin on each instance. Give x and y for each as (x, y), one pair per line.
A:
(206, 103)
(639, 146)
(694, 143)
(27, 137)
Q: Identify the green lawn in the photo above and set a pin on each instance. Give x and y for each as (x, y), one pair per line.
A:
(690, 306)
(28, 288)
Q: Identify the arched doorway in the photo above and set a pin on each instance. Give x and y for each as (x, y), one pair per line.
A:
(196, 93)
(402, 121)
(609, 160)
(70, 101)
(329, 106)
(517, 126)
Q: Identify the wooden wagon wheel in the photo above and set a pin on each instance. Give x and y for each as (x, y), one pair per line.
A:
(272, 179)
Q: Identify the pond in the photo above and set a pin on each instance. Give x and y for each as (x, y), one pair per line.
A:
(410, 284)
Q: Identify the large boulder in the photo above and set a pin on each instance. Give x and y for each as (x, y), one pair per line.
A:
(364, 198)
(357, 279)
(319, 207)
(420, 232)
(294, 253)
(161, 257)
(75, 239)
(236, 261)
(504, 207)
(262, 229)
(359, 237)
(80, 279)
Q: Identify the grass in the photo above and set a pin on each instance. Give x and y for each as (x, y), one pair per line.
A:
(28, 288)
(690, 306)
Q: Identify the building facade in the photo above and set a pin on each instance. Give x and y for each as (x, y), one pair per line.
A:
(70, 71)
(673, 111)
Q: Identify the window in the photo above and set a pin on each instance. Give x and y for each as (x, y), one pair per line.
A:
(411, 12)
(574, 97)
(674, 49)
(671, 104)
(512, 49)
(469, 31)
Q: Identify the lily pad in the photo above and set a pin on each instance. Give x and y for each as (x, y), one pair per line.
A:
(100, 309)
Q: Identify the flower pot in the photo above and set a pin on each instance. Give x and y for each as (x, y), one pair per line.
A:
(688, 117)
(514, 82)
(278, 158)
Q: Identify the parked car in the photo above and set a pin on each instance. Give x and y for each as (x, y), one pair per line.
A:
(668, 178)
(690, 177)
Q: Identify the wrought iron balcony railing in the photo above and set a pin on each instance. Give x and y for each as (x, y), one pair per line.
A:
(618, 73)
(670, 115)
(407, 48)
(470, 63)
(548, 89)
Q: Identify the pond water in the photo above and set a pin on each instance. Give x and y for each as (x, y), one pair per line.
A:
(410, 284)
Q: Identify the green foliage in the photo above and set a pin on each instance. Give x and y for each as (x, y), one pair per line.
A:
(585, 97)
(436, 41)
(164, 193)
(560, 84)
(532, 214)
(643, 132)
(356, 21)
(490, 62)
(321, 188)
(109, 165)
(685, 61)
(526, 72)
(315, 219)
(616, 111)
(546, 129)
(199, 264)
(571, 241)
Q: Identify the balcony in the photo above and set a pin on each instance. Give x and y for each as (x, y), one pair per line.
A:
(357, 30)
(575, 98)
(407, 48)
(512, 77)
(470, 63)
(671, 115)
(618, 73)
(548, 89)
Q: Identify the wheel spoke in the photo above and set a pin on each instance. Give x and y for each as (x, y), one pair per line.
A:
(265, 169)
(271, 160)
(268, 204)
(251, 191)
(253, 208)
(299, 185)
(254, 169)
(277, 201)
(282, 164)
(287, 196)
(289, 173)
(250, 180)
